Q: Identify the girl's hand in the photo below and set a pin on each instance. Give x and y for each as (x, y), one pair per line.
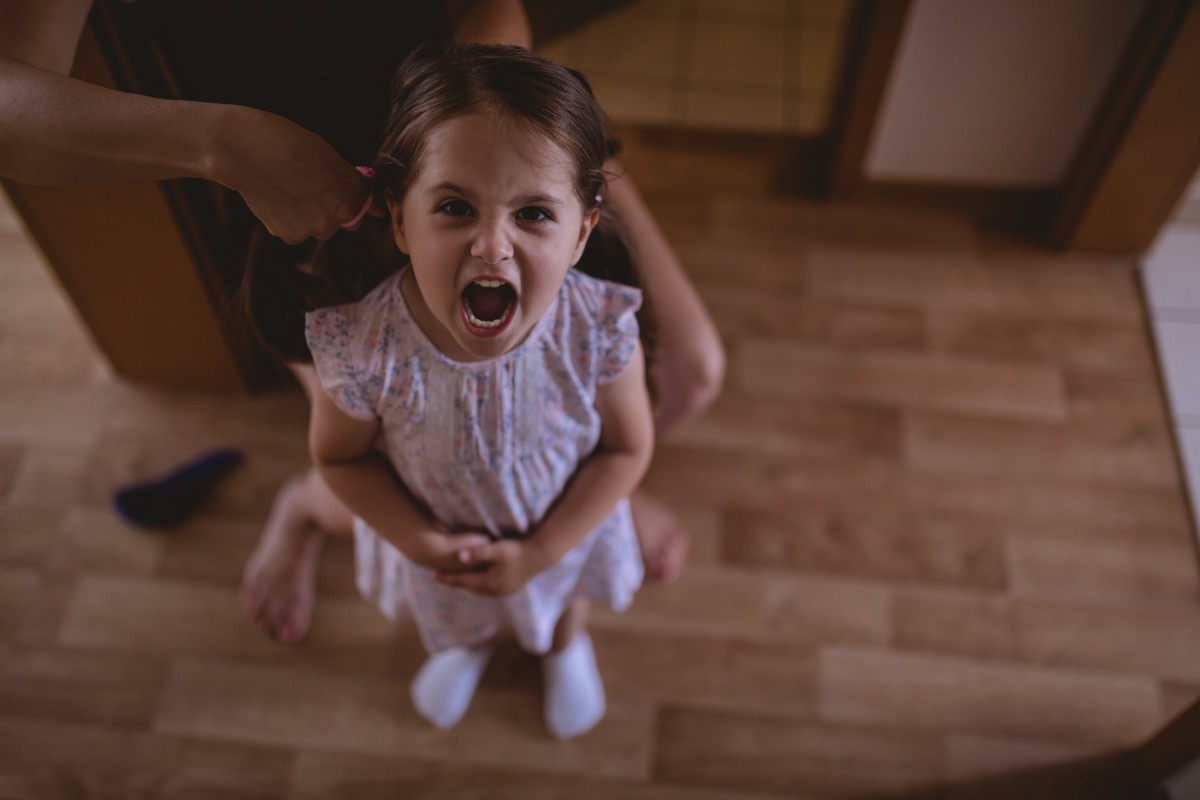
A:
(496, 569)
(441, 551)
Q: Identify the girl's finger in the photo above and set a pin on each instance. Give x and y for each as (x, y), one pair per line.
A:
(481, 554)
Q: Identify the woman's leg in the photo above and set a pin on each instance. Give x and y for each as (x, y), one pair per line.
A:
(688, 369)
(279, 580)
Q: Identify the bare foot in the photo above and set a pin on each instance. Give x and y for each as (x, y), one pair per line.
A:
(661, 536)
(279, 581)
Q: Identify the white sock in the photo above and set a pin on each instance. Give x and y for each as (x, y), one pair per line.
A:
(574, 693)
(446, 683)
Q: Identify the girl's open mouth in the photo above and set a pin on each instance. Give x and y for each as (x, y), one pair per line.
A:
(488, 305)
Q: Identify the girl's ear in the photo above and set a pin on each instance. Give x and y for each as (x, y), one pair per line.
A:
(396, 212)
(585, 230)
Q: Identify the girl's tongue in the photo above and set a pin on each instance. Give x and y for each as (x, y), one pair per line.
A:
(487, 302)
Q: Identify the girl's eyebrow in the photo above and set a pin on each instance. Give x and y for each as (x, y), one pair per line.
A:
(540, 200)
(533, 199)
(447, 186)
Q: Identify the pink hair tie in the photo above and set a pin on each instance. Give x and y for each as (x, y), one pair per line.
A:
(367, 172)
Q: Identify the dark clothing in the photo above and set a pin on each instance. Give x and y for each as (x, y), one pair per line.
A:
(324, 64)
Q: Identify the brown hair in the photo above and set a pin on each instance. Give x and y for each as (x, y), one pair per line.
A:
(436, 82)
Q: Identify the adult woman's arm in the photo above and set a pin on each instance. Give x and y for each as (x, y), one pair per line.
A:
(57, 130)
(490, 22)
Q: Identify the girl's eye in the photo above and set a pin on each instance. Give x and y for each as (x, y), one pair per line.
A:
(455, 208)
(533, 214)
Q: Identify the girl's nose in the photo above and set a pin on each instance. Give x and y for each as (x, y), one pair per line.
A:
(491, 244)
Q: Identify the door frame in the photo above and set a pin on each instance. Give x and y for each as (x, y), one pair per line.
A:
(1143, 146)
(1131, 168)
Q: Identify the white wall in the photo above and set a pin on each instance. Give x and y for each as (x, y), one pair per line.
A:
(996, 92)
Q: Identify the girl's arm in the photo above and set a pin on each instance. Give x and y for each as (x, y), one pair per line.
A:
(343, 451)
(610, 474)
(58, 130)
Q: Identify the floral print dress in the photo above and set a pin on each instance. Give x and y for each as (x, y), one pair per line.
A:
(486, 446)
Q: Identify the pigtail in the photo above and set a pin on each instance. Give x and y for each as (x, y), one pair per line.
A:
(282, 282)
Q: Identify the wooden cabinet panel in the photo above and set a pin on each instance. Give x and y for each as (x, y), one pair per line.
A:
(123, 254)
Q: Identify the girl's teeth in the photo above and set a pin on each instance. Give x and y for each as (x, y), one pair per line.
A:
(488, 283)
(479, 323)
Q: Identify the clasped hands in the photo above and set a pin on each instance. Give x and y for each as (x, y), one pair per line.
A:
(476, 562)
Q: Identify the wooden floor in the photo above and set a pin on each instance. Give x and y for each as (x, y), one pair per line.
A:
(941, 548)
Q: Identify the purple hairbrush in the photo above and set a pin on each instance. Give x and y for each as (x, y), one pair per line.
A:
(174, 497)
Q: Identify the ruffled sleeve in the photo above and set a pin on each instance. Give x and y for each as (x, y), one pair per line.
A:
(612, 308)
(347, 345)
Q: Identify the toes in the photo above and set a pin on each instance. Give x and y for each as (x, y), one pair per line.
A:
(288, 629)
(251, 599)
(261, 612)
(666, 562)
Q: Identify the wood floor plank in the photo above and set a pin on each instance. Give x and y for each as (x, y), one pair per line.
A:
(1100, 347)
(49, 415)
(1104, 570)
(286, 706)
(32, 605)
(112, 689)
(943, 694)
(51, 760)
(772, 606)
(11, 456)
(179, 617)
(1082, 287)
(740, 674)
(970, 756)
(955, 620)
(1130, 454)
(50, 476)
(965, 283)
(867, 543)
(47, 362)
(1104, 348)
(784, 427)
(1037, 506)
(93, 539)
(322, 775)
(845, 225)
(783, 369)
(681, 473)
(790, 755)
(750, 311)
(1097, 397)
(29, 536)
(1162, 641)
(762, 264)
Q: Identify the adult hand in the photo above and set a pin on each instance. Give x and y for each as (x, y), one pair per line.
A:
(293, 180)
